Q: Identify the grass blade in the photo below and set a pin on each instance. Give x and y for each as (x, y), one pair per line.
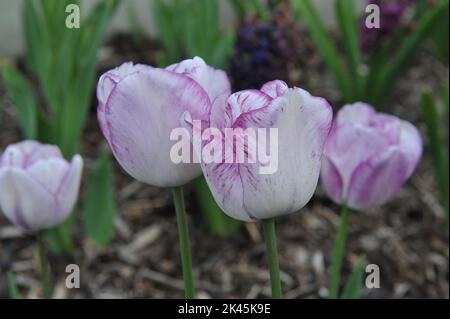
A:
(354, 287)
(345, 13)
(14, 292)
(437, 145)
(99, 207)
(23, 98)
(326, 46)
(401, 59)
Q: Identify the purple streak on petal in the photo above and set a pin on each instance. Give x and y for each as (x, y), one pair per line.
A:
(275, 88)
(376, 181)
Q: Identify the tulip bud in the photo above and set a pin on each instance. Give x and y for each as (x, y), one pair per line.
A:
(139, 106)
(241, 188)
(38, 187)
(368, 156)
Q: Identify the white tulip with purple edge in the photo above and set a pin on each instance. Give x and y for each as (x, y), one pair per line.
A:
(139, 106)
(38, 191)
(38, 187)
(303, 122)
(367, 158)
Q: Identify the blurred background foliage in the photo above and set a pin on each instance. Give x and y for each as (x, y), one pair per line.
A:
(53, 92)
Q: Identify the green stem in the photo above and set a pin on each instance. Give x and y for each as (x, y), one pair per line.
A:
(339, 253)
(45, 278)
(272, 256)
(185, 245)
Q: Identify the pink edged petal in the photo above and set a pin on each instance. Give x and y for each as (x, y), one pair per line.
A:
(141, 113)
(26, 153)
(110, 78)
(331, 180)
(355, 113)
(411, 144)
(275, 88)
(303, 123)
(106, 84)
(24, 202)
(349, 145)
(224, 181)
(187, 66)
(376, 181)
(246, 101)
(69, 186)
(214, 81)
(221, 113)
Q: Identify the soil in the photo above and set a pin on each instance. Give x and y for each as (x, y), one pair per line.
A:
(405, 237)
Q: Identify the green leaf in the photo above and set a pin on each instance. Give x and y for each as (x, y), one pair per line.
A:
(36, 39)
(222, 51)
(240, 7)
(23, 98)
(446, 110)
(81, 79)
(59, 237)
(326, 46)
(345, 13)
(243, 8)
(219, 223)
(14, 292)
(166, 26)
(99, 203)
(354, 287)
(438, 146)
(440, 38)
(404, 55)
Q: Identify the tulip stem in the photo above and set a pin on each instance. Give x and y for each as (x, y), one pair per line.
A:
(339, 253)
(185, 245)
(43, 264)
(272, 256)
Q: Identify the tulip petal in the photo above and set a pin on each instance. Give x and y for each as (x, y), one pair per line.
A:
(49, 173)
(67, 192)
(303, 123)
(411, 144)
(331, 180)
(141, 112)
(214, 81)
(244, 102)
(275, 88)
(376, 181)
(26, 153)
(224, 181)
(106, 84)
(349, 145)
(355, 113)
(25, 202)
(221, 113)
(108, 80)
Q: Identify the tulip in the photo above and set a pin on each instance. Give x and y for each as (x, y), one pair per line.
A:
(139, 106)
(38, 187)
(38, 190)
(303, 123)
(367, 158)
